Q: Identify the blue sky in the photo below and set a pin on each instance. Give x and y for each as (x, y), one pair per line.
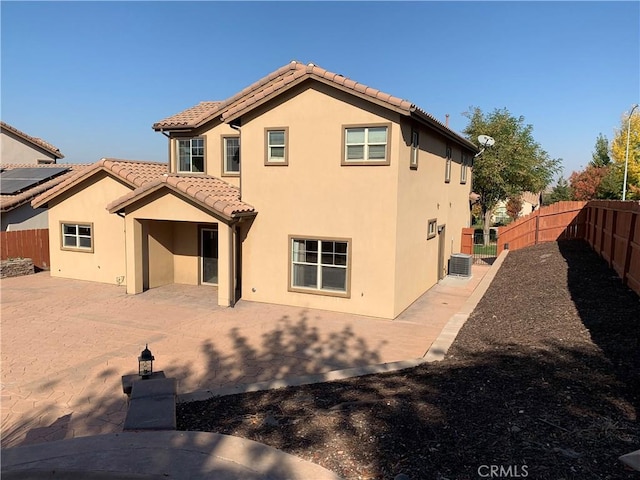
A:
(92, 77)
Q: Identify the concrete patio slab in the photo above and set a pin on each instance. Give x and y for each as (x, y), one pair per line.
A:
(66, 345)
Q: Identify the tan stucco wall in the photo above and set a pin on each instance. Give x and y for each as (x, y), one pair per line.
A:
(425, 195)
(160, 248)
(186, 257)
(86, 203)
(16, 150)
(317, 197)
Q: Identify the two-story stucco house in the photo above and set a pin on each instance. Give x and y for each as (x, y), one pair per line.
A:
(18, 147)
(306, 189)
(28, 167)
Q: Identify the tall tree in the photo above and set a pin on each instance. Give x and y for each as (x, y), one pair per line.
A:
(514, 206)
(600, 156)
(515, 164)
(586, 184)
(619, 148)
(561, 192)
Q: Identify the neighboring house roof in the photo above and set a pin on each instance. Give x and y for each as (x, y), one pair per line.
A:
(530, 197)
(11, 202)
(36, 142)
(132, 172)
(210, 192)
(282, 80)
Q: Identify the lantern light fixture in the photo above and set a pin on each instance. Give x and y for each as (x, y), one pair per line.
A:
(145, 363)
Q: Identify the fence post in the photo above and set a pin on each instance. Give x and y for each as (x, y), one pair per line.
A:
(629, 247)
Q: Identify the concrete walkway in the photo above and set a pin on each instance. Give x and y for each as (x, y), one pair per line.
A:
(66, 343)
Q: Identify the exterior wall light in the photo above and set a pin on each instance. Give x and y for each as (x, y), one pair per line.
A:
(145, 363)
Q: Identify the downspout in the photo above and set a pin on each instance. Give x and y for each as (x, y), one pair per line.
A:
(232, 262)
(124, 226)
(237, 127)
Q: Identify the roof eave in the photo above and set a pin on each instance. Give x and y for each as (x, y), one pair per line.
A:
(447, 132)
(118, 207)
(73, 181)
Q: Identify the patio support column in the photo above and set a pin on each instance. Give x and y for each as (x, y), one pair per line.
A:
(134, 254)
(225, 254)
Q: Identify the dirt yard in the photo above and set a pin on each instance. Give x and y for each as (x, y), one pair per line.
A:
(542, 382)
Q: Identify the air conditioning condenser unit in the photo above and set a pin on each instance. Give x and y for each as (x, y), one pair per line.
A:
(460, 264)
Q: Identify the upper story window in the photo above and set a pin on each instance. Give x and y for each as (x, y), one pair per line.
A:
(77, 236)
(447, 168)
(463, 168)
(276, 146)
(191, 155)
(366, 145)
(231, 155)
(415, 147)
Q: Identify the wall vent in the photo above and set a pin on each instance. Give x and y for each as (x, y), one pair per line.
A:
(460, 264)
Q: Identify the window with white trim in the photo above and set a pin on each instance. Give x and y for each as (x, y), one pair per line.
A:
(463, 168)
(231, 155)
(77, 236)
(366, 145)
(320, 266)
(190, 155)
(276, 140)
(415, 146)
(447, 168)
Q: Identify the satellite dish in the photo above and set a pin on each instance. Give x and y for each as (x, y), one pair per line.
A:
(486, 140)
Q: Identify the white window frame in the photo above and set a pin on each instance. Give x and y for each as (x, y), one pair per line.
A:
(225, 171)
(318, 289)
(269, 159)
(366, 145)
(196, 146)
(447, 167)
(77, 236)
(464, 165)
(415, 148)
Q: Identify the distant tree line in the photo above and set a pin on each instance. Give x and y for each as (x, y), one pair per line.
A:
(603, 177)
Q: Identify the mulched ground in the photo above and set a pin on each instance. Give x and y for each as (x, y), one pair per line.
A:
(542, 383)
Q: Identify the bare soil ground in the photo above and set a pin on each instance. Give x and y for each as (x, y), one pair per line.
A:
(542, 382)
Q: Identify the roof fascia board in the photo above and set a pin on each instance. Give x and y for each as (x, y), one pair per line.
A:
(262, 101)
(444, 130)
(127, 203)
(44, 201)
(32, 144)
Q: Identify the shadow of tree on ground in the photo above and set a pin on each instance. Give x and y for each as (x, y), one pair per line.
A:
(530, 386)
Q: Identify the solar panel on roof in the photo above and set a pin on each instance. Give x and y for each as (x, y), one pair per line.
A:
(19, 179)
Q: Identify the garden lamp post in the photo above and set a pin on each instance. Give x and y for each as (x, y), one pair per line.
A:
(626, 156)
(145, 363)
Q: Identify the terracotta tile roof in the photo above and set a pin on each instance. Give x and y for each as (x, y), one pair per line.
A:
(37, 142)
(530, 197)
(10, 202)
(190, 116)
(285, 78)
(135, 173)
(210, 192)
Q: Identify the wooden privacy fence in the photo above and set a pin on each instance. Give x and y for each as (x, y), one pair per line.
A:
(562, 220)
(33, 244)
(611, 227)
(613, 231)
